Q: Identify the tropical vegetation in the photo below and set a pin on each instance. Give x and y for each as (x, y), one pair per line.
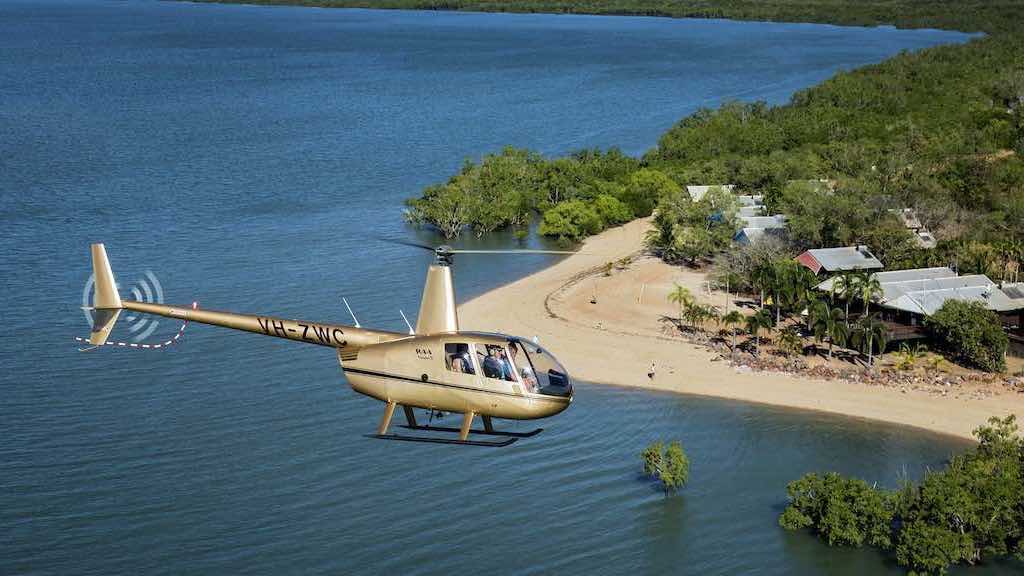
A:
(969, 512)
(970, 334)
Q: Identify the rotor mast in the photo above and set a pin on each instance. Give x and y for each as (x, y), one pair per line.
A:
(438, 312)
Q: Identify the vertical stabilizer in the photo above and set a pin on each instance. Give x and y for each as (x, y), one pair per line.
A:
(437, 309)
(106, 301)
(105, 295)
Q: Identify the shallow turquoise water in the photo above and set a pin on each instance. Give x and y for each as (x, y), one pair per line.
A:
(243, 154)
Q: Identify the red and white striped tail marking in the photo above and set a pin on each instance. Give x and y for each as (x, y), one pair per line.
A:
(164, 344)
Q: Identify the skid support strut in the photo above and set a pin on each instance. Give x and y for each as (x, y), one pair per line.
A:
(389, 411)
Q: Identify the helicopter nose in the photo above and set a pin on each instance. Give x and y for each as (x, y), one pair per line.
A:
(560, 386)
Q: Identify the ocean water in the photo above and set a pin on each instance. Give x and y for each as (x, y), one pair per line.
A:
(244, 155)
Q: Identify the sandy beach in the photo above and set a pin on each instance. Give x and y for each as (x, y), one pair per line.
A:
(616, 340)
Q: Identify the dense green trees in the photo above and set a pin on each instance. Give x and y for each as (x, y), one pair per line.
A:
(685, 230)
(843, 511)
(507, 189)
(572, 220)
(970, 334)
(971, 511)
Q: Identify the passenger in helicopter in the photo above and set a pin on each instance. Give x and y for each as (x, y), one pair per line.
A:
(525, 371)
(457, 356)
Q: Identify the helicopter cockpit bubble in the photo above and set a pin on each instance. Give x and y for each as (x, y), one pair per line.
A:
(539, 370)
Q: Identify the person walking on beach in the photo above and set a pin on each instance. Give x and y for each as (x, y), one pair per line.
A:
(650, 373)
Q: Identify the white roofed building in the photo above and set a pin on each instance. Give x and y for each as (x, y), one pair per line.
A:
(909, 296)
(755, 228)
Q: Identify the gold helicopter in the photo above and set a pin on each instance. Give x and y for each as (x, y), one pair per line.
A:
(436, 366)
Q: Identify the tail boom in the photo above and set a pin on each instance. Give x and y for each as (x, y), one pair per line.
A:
(338, 336)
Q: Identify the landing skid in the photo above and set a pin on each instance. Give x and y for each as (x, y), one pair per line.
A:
(491, 443)
(463, 432)
(486, 432)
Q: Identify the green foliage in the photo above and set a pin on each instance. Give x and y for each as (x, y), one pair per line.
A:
(612, 211)
(909, 355)
(668, 464)
(685, 230)
(790, 342)
(843, 511)
(870, 336)
(929, 549)
(970, 334)
(756, 323)
(734, 129)
(506, 189)
(968, 512)
(731, 320)
(571, 220)
(645, 188)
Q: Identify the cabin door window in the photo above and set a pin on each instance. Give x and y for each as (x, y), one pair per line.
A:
(458, 359)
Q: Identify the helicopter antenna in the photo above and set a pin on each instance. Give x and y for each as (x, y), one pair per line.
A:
(354, 319)
(411, 331)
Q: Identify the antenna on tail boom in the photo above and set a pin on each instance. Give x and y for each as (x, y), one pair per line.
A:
(354, 319)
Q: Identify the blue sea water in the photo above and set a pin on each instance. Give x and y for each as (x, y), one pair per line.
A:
(244, 154)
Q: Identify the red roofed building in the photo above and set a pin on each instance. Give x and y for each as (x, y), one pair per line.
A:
(839, 259)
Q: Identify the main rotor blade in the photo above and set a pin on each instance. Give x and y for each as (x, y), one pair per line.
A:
(405, 243)
(513, 251)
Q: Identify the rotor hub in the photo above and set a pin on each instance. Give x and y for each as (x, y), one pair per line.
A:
(444, 254)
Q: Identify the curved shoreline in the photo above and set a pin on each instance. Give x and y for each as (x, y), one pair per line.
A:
(616, 340)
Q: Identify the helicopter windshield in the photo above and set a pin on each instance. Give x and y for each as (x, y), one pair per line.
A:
(539, 370)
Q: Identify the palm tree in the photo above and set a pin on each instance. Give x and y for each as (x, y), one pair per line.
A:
(780, 286)
(838, 329)
(845, 285)
(693, 314)
(817, 319)
(814, 305)
(790, 341)
(712, 313)
(868, 331)
(731, 320)
(867, 289)
(761, 278)
(757, 322)
(680, 295)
